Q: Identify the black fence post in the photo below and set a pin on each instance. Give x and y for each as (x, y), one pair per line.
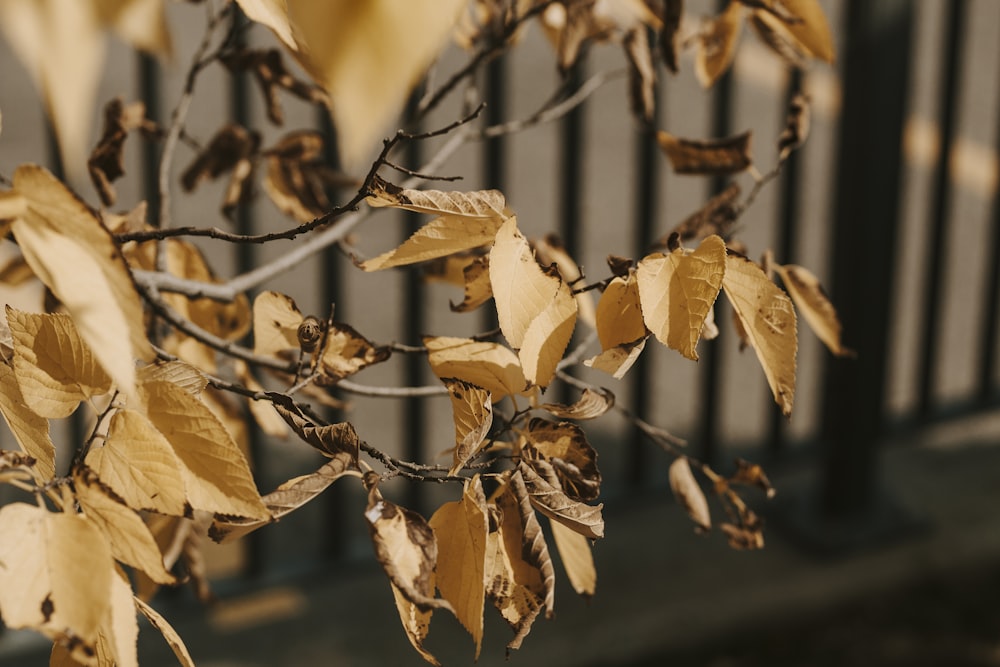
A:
(851, 509)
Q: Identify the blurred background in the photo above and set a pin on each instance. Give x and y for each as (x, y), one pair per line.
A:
(883, 541)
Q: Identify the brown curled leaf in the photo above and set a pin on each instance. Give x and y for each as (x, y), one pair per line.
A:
(728, 155)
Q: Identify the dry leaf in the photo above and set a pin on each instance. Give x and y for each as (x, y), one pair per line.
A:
(130, 539)
(331, 440)
(796, 126)
(514, 585)
(367, 57)
(488, 365)
(122, 624)
(592, 404)
(107, 161)
(270, 73)
(440, 237)
(619, 325)
(577, 559)
(345, 352)
(478, 290)
(617, 360)
(276, 321)
(288, 497)
(140, 466)
(169, 634)
(767, 317)
(677, 292)
(74, 255)
(569, 457)
(216, 475)
(231, 149)
(12, 205)
(550, 250)
(472, 408)
(717, 44)
(182, 374)
(812, 301)
(298, 177)
(673, 11)
(642, 75)
(689, 494)
(776, 37)
(718, 217)
(536, 310)
(30, 430)
(551, 501)
(54, 367)
(461, 530)
(728, 155)
(478, 204)
(515, 501)
(804, 21)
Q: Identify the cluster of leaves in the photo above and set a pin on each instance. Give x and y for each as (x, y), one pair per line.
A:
(140, 329)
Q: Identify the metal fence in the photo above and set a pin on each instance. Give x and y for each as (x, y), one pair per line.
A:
(849, 207)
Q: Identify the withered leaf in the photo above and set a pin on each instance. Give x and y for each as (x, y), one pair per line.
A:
(472, 408)
(796, 126)
(718, 217)
(811, 300)
(564, 446)
(774, 34)
(550, 250)
(488, 365)
(673, 11)
(29, 429)
(591, 404)
(677, 291)
(768, 318)
(620, 326)
(752, 474)
(728, 155)
(577, 559)
(182, 374)
(169, 634)
(345, 352)
(297, 178)
(330, 440)
(271, 74)
(689, 494)
(479, 204)
(440, 237)
(478, 289)
(642, 74)
(276, 321)
(287, 498)
(805, 23)
(513, 584)
(717, 44)
(551, 501)
(107, 161)
(461, 530)
(231, 149)
(742, 537)
(519, 521)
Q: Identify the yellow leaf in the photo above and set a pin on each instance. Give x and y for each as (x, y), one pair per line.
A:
(416, 623)
(553, 502)
(121, 627)
(472, 408)
(75, 256)
(215, 472)
(130, 539)
(182, 374)
(276, 321)
(616, 361)
(677, 292)
(812, 302)
(465, 206)
(768, 318)
(717, 44)
(288, 497)
(269, 421)
(620, 327)
(438, 238)
(514, 597)
(689, 494)
(30, 430)
(140, 466)
(169, 634)
(274, 15)
(577, 559)
(12, 205)
(488, 365)
(461, 529)
(24, 577)
(806, 22)
(476, 280)
(55, 368)
(368, 56)
(536, 310)
(330, 440)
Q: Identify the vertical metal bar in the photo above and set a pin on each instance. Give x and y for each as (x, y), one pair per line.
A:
(335, 537)
(413, 309)
(646, 206)
(988, 334)
(149, 92)
(787, 237)
(869, 170)
(711, 355)
(937, 243)
(246, 260)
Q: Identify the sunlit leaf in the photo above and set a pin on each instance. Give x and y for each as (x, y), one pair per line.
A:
(451, 205)
(768, 319)
(812, 301)
(331, 440)
(592, 404)
(550, 250)
(54, 367)
(488, 365)
(519, 518)
(276, 321)
(717, 44)
(29, 429)
(805, 21)
(461, 530)
(677, 291)
(561, 448)
(345, 352)
(122, 624)
(130, 540)
(620, 327)
(476, 280)
(729, 155)
(551, 501)
(438, 238)
(169, 634)
(577, 559)
(140, 466)
(472, 408)
(688, 493)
